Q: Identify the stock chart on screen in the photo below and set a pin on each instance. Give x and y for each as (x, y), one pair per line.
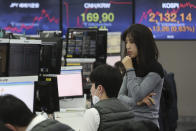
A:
(174, 19)
(29, 16)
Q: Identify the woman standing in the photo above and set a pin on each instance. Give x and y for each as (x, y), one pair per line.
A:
(143, 82)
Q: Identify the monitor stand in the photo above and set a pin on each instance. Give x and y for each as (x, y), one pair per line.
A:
(76, 103)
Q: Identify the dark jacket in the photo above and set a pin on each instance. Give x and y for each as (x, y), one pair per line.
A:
(51, 125)
(114, 116)
(168, 114)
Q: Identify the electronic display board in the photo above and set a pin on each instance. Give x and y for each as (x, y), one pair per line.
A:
(173, 19)
(29, 16)
(113, 15)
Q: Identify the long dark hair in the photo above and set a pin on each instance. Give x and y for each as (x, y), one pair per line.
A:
(119, 65)
(147, 50)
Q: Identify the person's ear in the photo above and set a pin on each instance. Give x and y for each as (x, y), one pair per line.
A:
(100, 88)
(11, 127)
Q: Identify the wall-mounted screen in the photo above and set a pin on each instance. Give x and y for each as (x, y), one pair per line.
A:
(174, 19)
(29, 16)
(114, 15)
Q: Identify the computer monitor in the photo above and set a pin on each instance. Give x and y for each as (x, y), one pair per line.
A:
(4, 44)
(46, 95)
(81, 43)
(101, 47)
(70, 82)
(111, 60)
(21, 87)
(50, 55)
(113, 42)
(24, 57)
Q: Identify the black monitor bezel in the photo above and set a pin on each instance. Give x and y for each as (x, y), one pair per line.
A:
(79, 29)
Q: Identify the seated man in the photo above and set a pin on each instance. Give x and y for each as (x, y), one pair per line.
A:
(17, 117)
(108, 114)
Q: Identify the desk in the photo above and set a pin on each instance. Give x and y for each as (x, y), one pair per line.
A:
(72, 118)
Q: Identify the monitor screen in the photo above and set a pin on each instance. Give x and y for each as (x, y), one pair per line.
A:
(101, 47)
(3, 56)
(21, 88)
(115, 15)
(70, 83)
(24, 57)
(174, 19)
(113, 42)
(50, 56)
(46, 95)
(111, 60)
(29, 16)
(81, 43)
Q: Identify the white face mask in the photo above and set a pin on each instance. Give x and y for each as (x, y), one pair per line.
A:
(95, 98)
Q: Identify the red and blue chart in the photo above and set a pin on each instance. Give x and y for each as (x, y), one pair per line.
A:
(174, 19)
(29, 17)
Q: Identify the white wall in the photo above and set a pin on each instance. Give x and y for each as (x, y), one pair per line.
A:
(180, 57)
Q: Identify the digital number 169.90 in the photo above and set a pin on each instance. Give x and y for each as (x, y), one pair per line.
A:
(95, 17)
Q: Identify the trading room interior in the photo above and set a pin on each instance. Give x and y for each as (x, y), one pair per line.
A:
(49, 48)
